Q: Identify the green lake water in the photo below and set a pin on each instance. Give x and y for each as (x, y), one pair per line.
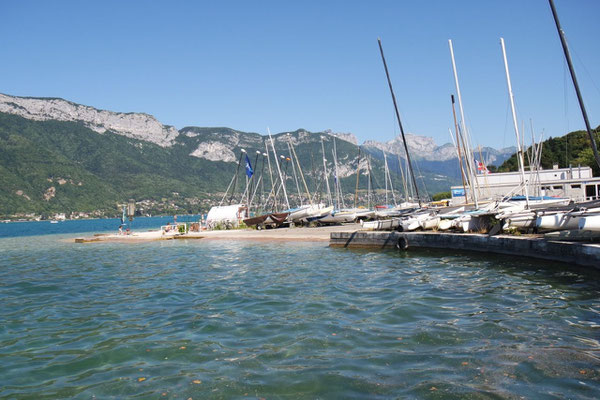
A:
(222, 319)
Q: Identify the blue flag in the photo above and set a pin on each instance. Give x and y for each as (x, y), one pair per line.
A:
(249, 170)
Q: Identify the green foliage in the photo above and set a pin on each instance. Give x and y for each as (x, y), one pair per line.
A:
(441, 196)
(48, 167)
(89, 171)
(572, 149)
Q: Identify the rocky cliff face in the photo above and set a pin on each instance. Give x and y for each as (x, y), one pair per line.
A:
(134, 125)
(214, 144)
(348, 137)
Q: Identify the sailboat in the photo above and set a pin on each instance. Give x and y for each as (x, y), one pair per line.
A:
(340, 214)
(271, 219)
(303, 213)
(396, 222)
(573, 217)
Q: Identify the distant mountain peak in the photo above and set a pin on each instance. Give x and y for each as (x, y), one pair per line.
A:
(134, 125)
(425, 148)
(348, 137)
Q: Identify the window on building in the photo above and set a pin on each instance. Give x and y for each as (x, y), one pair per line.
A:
(575, 186)
(557, 187)
(590, 191)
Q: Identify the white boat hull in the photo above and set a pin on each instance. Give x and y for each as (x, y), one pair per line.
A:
(558, 222)
(381, 225)
(590, 223)
(520, 222)
(445, 224)
(430, 223)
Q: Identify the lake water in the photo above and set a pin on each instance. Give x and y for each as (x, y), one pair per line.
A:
(222, 319)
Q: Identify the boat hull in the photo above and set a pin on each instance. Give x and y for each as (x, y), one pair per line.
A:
(590, 223)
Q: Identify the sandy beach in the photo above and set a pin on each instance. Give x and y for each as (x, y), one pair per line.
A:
(314, 234)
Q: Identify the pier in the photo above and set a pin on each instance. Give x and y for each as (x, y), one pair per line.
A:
(535, 246)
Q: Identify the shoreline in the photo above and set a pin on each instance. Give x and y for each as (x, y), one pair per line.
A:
(314, 234)
(352, 236)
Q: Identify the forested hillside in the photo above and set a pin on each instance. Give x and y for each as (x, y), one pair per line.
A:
(572, 149)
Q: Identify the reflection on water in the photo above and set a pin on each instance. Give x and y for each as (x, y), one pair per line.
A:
(221, 319)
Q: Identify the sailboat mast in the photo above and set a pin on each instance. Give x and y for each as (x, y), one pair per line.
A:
(357, 176)
(287, 203)
(392, 188)
(385, 177)
(462, 171)
(326, 174)
(563, 41)
(387, 74)
(269, 164)
(236, 175)
(252, 187)
(369, 183)
(339, 196)
(516, 126)
(262, 182)
(294, 172)
(295, 156)
(406, 197)
(466, 145)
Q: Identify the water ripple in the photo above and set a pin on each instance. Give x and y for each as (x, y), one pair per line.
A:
(201, 319)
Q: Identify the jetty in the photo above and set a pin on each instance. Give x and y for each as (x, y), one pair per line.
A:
(534, 246)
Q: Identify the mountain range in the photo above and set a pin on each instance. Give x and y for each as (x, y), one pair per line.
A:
(59, 156)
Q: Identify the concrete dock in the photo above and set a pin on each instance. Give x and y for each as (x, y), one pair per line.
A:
(584, 254)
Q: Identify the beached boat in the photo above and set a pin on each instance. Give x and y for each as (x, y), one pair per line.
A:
(255, 220)
(523, 221)
(267, 220)
(300, 214)
(430, 223)
(226, 216)
(413, 221)
(344, 216)
(558, 222)
(444, 224)
(381, 224)
(318, 215)
(382, 212)
(590, 223)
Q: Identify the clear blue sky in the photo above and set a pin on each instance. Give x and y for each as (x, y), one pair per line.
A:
(308, 64)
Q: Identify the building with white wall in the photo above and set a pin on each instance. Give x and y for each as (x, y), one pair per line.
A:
(576, 183)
